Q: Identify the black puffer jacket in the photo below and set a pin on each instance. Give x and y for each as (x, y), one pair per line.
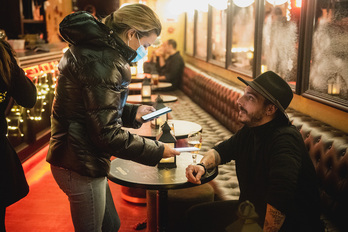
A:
(90, 102)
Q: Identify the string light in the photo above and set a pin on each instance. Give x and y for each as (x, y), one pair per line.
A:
(41, 75)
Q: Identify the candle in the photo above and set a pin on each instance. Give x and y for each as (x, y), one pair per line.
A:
(335, 89)
(263, 68)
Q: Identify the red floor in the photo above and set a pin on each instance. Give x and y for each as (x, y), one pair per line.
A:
(46, 207)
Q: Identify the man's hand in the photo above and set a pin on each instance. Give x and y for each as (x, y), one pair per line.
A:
(169, 152)
(142, 110)
(194, 173)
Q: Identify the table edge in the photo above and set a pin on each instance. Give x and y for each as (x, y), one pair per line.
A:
(210, 176)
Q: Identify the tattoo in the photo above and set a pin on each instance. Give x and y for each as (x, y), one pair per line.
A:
(217, 157)
(211, 159)
(276, 215)
(274, 219)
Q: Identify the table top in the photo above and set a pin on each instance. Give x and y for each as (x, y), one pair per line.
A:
(137, 86)
(132, 174)
(181, 129)
(137, 99)
(139, 77)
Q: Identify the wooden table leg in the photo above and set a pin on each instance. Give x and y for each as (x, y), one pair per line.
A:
(162, 210)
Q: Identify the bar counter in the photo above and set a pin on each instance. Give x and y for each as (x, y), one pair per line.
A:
(42, 54)
(29, 129)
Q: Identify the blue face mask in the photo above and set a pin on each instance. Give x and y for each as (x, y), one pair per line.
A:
(141, 52)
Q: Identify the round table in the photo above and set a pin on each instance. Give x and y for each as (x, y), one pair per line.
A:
(137, 86)
(162, 86)
(139, 77)
(181, 129)
(137, 99)
(132, 174)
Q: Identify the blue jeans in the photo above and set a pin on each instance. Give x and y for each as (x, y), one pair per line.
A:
(91, 204)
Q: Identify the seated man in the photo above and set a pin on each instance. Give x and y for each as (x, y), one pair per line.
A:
(274, 170)
(170, 64)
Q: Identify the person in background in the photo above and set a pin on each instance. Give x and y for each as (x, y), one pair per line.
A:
(99, 9)
(90, 109)
(274, 170)
(170, 65)
(14, 85)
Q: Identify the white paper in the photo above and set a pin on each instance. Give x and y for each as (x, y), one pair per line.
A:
(186, 149)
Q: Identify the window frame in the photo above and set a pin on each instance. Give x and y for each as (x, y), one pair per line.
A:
(305, 33)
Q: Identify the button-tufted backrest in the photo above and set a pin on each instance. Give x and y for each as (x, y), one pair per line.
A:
(328, 150)
(214, 96)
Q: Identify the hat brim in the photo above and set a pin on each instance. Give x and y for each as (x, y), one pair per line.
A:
(258, 88)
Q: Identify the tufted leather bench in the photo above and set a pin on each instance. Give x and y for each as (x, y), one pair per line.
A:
(328, 149)
(216, 97)
(327, 146)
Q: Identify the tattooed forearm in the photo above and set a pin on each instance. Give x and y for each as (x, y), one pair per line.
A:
(211, 159)
(217, 158)
(274, 219)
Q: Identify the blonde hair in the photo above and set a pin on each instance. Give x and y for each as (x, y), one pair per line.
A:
(137, 16)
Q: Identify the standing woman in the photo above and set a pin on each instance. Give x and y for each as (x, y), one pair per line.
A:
(90, 109)
(13, 83)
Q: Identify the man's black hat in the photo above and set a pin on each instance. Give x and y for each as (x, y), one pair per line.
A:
(272, 87)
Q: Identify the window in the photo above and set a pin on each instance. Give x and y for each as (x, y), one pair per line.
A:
(218, 35)
(243, 27)
(280, 39)
(189, 33)
(329, 54)
(305, 42)
(202, 34)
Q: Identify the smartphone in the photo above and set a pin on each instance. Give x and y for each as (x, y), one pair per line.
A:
(156, 113)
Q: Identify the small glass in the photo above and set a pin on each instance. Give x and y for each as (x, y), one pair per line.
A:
(194, 139)
(155, 79)
(171, 125)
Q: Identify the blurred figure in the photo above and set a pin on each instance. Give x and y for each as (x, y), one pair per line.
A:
(91, 9)
(98, 8)
(170, 64)
(14, 85)
(89, 110)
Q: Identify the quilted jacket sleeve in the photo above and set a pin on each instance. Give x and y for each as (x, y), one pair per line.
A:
(128, 116)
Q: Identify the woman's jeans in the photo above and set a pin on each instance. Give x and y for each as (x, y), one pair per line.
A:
(91, 204)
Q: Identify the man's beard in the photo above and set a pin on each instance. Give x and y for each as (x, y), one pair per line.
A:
(252, 119)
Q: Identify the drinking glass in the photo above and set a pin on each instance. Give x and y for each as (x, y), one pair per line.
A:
(194, 139)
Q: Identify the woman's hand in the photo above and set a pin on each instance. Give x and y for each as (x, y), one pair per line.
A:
(142, 110)
(194, 173)
(169, 152)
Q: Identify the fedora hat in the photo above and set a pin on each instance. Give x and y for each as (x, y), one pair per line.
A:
(272, 87)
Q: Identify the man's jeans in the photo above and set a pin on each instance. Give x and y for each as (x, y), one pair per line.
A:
(91, 204)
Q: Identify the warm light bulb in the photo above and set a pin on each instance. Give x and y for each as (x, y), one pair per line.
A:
(243, 3)
(277, 2)
(219, 4)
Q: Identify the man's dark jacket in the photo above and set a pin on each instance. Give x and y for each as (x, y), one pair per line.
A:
(90, 107)
(173, 70)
